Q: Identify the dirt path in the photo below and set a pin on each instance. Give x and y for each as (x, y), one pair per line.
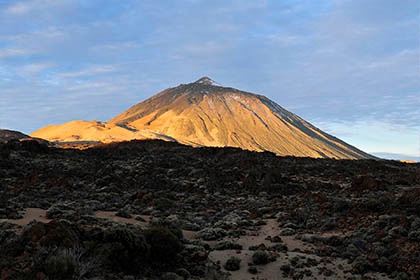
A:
(29, 215)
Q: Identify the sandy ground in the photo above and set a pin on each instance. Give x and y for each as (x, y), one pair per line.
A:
(29, 215)
(271, 271)
(110, 215)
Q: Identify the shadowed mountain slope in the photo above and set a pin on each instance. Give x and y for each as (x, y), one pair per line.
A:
(6, 135)
(12, 135)
(206, 114)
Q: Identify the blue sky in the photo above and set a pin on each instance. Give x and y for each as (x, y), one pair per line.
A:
(352, 68)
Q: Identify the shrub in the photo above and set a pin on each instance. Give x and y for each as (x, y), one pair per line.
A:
(164, 204)
(233, 264)
(341, 205)
(67, 263)
(285, 268)
(172, 226)
(373, 205)
(260, 257)
(414, 235)
(361, 265)
(227, 245)
(252, 270)
(164, 245)
(124, 248)
(59, 267)
(62, 265)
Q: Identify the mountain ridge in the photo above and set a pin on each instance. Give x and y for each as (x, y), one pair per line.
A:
(7, 135)
(204, 113)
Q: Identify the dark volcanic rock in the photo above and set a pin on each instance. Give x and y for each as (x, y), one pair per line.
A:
(369, 209)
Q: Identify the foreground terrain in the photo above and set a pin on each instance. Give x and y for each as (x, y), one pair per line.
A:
(160, 210)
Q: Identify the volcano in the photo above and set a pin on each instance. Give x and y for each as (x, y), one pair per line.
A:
(203, 113)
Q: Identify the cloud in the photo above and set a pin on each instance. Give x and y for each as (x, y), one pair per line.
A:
(349, 62)
(394, 156)
(35, 68)
(90, 71)
(373, 136)
(35, 8)
(285, 40)
(329, 61)
(18, 9)
(13, 52)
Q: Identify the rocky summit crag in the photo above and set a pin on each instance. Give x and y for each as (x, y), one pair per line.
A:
(160, 210)
(204, 113)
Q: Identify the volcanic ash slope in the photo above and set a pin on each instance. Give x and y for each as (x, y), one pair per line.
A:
(206, 114)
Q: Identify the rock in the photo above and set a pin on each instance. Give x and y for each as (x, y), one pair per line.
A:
(364, 183)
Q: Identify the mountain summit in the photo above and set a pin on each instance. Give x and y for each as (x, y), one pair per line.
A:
(203, 113)
(206, 81)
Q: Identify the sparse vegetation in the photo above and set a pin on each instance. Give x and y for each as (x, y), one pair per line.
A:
(260, 257)
(233, 264)
(60, 266)
(124, 248)
(164, 245)
(373, 222)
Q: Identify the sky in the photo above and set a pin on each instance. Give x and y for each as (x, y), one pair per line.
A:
(351, 68)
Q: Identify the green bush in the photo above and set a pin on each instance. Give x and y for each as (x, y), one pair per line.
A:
(372, 204)
(252, 270)
(361, 265)
(260, 257)
(285, 268)
(233, 264)
(164, 244)
(69, 263)
(164, 203)
(124, 248)
(60, 266)
(227, 245)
